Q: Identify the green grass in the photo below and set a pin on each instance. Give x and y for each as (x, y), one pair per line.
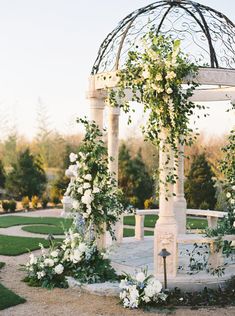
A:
(14, 246)
(8, 221)
(7, 297)
(55, 230)
(128, 232)
(150, 220)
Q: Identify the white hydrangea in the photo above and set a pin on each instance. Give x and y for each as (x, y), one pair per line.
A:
(169, 90)
(59, 269)
(40, 274)
(73, 157)
(80, 190)
(49, 262)
(96, 190)
(87, 198)
(86, 185)
(55, 253)
(76, 205)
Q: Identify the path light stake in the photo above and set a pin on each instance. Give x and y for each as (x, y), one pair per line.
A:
(164, 253)
(50, 238)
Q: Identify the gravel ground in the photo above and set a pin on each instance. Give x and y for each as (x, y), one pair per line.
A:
(68, 302)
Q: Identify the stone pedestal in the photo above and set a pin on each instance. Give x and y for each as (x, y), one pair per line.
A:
(165, 233)
(180, 204)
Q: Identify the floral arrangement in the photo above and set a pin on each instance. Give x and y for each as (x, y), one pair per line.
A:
(93, 189)
(155, 72)
(141, 290)
(73, 257)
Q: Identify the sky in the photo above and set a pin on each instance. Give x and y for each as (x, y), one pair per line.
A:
(47, 49)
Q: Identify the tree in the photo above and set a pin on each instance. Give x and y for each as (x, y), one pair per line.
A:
(2, 175)
(199, 186)
(134, 178)
(27, 177)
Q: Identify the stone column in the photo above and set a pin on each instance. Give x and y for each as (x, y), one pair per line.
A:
(97, 104)
(180, 204)
(165, 233)
(113, 141)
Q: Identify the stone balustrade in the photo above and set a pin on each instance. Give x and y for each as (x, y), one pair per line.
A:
(212, 218)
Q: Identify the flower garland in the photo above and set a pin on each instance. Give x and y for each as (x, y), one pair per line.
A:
(140, 290)
(93, 189)
(155, 73)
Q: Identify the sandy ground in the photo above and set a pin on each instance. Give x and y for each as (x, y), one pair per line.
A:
(71, 302)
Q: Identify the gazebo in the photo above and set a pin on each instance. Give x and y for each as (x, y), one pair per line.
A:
(208, 37)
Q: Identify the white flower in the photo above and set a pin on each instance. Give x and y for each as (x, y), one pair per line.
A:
(82, 247)
(33, 260)
(49, 262)
(140, 277)
(159, 89)
(80, 190)
(54, 253)
(88, 177)
(123, 284)
(87, 198)
(170, 75)
(96, 190)
(158, 77)
(146, 299)
(232, 201)
(77, 255)
(228, 195)
(86, 185)
(59, 269)
(73, 170)
(73, 157)
(40, 275)
(169, 90)
(145, 74)
(76, 205)
(233, 187)
(82, 155)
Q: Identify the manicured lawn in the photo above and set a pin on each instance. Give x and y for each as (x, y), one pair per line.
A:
(7, 297)
(128, 232)
(150, 220)
(14, 246)
(55, 230)
(8, 221)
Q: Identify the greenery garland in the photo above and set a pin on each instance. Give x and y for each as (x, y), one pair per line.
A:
(155, 73)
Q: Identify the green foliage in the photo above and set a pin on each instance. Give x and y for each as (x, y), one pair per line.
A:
(227, 165)
(9, 221)
(2, 175)
(199, 186)
(44, 199)
(55, 195)
(5, 206)
(27, 177)
(12, 205)
(134, 178)
(25, 202)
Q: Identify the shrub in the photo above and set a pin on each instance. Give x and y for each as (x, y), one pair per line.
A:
(35, 201)
(5, 205)
(25, 202)
(55, 196)
(204, 206)
(12, 205)
(44, 200)
(148, 204)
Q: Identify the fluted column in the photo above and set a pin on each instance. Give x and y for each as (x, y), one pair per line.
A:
(113, 142)
(165, 233)
(180, 204)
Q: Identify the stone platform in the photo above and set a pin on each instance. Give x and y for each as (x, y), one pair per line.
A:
(132, 255)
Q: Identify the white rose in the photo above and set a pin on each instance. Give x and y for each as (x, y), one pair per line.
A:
(76, 205)
(140, 277)
(77, 255)
(228, 195)
(82, 247)
(169, 90)
(80, 190)
(88, 177)
(59, 269)
(73, 170)
(233, 187)
(170, 75)
(157, 285)
(54, 253)
(86, 185)
(49, 262)
(33, 260)
(232, 201)
(145, 74)
(96, 190)
(73, 157)
(158, 77)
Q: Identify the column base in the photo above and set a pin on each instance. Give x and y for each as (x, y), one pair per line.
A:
(165, 236)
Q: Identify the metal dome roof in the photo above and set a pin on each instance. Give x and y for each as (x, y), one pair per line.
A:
(207, 35)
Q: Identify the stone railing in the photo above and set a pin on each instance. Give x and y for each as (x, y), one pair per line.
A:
(212, 218)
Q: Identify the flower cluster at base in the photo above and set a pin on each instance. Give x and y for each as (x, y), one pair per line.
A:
(73, 257)
(141, 290)
(93, 188)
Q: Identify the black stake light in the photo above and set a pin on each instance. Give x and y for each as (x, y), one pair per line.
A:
(164, 253)
(50, 238)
